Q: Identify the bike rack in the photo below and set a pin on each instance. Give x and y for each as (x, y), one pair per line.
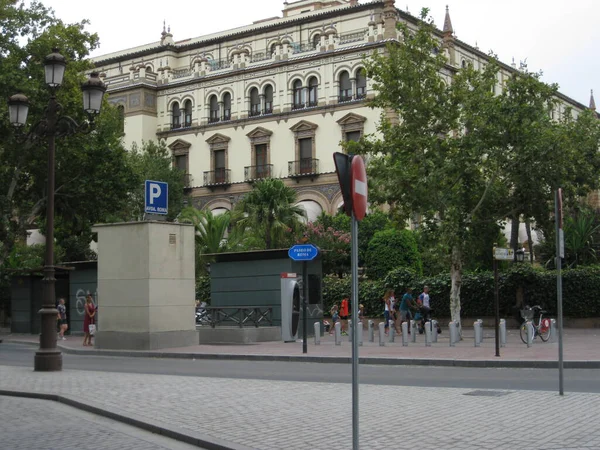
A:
(392, 331)
(453, 333)
(434, 330)
(530, 333)
(405, 334)
(338, 333)
(553, 333)
(360, 333)
(478, 331)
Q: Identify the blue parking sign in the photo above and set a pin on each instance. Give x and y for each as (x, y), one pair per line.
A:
(157, 197)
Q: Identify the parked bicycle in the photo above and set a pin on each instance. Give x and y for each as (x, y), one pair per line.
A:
(541, 329)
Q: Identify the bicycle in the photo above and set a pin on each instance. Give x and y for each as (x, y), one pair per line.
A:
(542, 328)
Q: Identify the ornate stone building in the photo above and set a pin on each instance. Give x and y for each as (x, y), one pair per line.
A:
(271, 99)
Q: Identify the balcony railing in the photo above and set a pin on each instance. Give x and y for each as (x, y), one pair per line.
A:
(303, 167)
(217, 177)
(345, 95)
(258, 172)
(298, 106)
(181, 73)
(227, 114)
(361, 93)
(213, 118)
(353, 37)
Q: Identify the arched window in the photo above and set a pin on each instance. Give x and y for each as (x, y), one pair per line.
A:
(313, 97)
(188, 113)
(254, 102)
(227, 106)
(361, 84)
(149, 69)
(299, 99)
(214, 109)
(176, 123)
(268, 99)
(273, 49)
(316, 41)
(121, 111)
(345, 87)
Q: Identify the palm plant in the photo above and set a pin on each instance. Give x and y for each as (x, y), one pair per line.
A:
(579, 238)
(211, 230)
(269, 212)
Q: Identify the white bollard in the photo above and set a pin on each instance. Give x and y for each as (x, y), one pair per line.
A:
(381, 334)
(371, 331)
(360, 333)
(477, 330)
(530, 332)
(349, 330)
(405, 334)
(552, 330)
(392, 331)
(338, 333)
(434, 330)
(452, 332)
(413, 330)
(480, 330)
(502, 333)
(317, 333)
(428, 334)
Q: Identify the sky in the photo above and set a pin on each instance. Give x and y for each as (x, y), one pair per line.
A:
(556, 37)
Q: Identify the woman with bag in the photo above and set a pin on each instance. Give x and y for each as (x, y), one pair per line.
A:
(89, 321)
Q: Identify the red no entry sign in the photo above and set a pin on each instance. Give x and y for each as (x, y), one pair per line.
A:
(358, 183)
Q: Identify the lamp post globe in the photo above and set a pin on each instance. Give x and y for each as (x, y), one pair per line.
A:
(18, 108)
(93, 92)
(54, 65)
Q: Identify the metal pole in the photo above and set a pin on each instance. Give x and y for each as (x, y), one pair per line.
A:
(496, 307)
(48, 357)
(355, 434)
(558, 219)
(304, 308)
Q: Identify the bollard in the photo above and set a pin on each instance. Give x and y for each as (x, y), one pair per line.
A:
(338, 333)
(434, 330)
(480, 330)
(530, 332)
(392, 331)
(452, 332)
(502, 333)
(317, 333)
(371, 331)
(349, 330)
(413, 330)
(428, 334)
(405, 334)
(381, 334)
(360, 333)
(552, 330)
(477, 330)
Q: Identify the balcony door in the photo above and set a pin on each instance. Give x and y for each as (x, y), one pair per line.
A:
(220, 172)
(305, 155)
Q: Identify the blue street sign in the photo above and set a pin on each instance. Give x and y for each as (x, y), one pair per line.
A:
(157, 197)
(303, 252)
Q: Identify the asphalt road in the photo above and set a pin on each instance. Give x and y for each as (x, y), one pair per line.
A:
(576, 380)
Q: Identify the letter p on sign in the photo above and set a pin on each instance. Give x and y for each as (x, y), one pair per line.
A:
(156, 198)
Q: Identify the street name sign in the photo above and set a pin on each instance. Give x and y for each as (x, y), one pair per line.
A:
(303, 252)
(504, 254)
(156, 197)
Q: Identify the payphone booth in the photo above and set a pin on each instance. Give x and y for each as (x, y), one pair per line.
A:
(290, 306)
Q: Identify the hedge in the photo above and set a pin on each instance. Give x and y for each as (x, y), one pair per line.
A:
(581, 288)
(392, 248)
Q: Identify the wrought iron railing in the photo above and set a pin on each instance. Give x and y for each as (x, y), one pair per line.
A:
(258, 172)
(262, 56)
(213, 117)
(302, 48)
(217, 177)
(345, 95)
(361, 92)
(181, 73)
(239, 316)
(218, 65)
(298, 106)
(303, 167)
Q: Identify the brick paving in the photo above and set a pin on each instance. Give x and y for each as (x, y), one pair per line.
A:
(275, 415)
(31, 424)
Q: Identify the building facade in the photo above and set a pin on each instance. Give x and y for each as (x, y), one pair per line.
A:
(272, 99)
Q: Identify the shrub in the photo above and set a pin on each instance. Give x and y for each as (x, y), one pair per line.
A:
(392, 248)
(203, 289)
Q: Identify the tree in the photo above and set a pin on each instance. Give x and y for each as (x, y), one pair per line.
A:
(268, 211)
(153, 162)
(334, 245)
(390, 249)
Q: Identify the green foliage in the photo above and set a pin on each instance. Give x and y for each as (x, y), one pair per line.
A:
(268, 212)
(579, 231)
(370, 294)
(334, 246)
(392, 248)
(203, 289)
(153, 162)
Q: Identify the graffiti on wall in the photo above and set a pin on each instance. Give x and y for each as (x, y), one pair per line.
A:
(80, 300)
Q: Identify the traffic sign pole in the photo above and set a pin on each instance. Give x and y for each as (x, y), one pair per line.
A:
(558, 220)
(304, 301)
(355, 331)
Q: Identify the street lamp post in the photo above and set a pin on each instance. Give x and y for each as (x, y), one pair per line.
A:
(53, 125)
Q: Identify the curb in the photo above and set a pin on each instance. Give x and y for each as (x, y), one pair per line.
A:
(381, 361)
(178, 434)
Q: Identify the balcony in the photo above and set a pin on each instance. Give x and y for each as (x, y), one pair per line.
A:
(213, 119)
(345, 95)
(217, 177)
(254, 110)
(306, 167)
(298, 106)
(361, 92)
(258, 172)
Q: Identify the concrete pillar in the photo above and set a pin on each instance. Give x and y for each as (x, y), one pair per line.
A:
(371, 326)
(392, 330)
(317, 333)
(553, 333)
(477, 333)
(530, 331)
(381, 334)
(428, 332)
(349, 330)
(338, 333)
(502, 333)
(453, 333)
(360, 333)
(434, 331)
(413, 331)
(405, 334)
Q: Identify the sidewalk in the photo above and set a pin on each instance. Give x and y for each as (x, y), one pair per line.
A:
(238, 414)
(581, 350)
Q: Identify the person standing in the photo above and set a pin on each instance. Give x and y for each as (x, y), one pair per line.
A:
(89, 319)
(405, 306)
(424, 302)
(334, 318)
(62, 319)
(344, 316)
(388, 308)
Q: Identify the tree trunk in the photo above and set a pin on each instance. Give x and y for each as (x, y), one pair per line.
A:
(456, 277)
(528, 230)
(268, 242)
(514, 233)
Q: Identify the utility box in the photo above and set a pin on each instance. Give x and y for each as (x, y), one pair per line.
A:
(290, 307)
(146, 286)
